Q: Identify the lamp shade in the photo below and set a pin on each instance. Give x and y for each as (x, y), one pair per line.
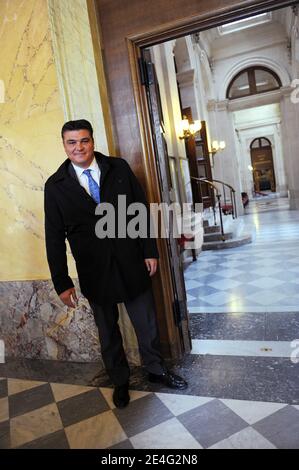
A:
(185, 124)
(215, 145)
(197, 125)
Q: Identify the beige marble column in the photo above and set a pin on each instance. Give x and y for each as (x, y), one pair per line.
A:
(76, 66)
(226, 164)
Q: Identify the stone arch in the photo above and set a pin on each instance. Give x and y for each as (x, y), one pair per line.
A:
(254, 61)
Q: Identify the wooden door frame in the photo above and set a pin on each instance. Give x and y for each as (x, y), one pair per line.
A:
(145, 164)
(153, 187)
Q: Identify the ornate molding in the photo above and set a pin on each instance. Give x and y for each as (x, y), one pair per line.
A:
(214, 105)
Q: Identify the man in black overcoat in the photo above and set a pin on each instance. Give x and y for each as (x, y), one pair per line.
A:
(111, 269)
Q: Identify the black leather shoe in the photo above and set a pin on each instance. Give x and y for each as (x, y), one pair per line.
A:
(169, 379)
(121, 395)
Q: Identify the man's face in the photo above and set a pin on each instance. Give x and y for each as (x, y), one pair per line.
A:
(79, 147)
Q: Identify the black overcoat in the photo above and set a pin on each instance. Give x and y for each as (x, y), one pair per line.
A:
(109, 270)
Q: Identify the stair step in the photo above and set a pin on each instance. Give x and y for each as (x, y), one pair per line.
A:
(212, 229)
(214, 237)
(233, 243)
(206, 223)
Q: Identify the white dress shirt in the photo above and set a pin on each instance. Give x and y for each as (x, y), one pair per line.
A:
(83, 179)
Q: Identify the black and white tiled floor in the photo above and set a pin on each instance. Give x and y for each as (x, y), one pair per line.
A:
(243, 386)
(260, 277)
(46, 415)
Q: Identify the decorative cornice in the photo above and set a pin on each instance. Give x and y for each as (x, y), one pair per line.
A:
(261, 99)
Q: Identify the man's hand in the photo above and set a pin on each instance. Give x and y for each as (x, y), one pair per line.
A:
(69, 297)
(151, 265)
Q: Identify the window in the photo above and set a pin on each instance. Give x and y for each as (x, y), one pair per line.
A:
(260, 142)
(253, 81)
(245, 23)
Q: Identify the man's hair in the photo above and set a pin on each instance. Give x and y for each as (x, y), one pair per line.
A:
(77, 126)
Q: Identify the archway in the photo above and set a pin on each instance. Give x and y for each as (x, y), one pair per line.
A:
(262, 164)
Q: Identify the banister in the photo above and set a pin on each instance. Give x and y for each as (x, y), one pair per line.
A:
(232, 192)
(218, 195)
(225, 184)
(205, 181)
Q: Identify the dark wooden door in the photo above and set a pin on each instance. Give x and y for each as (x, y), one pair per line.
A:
(263, 167)
(163, 168)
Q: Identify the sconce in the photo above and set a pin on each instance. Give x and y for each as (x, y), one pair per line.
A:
(188, 129)
(217, 147)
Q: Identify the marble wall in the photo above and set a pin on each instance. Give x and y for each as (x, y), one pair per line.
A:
(47, 75)
(35, 324)
(30, 149)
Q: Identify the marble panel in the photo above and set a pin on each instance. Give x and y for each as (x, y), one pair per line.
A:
(30, 148)
(35, 324)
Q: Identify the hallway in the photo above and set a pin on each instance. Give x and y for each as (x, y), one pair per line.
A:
(260, 277)
(243, 387)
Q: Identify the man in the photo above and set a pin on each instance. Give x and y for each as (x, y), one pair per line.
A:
(111, 269)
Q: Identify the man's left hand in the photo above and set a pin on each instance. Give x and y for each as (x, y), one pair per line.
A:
(151, 265)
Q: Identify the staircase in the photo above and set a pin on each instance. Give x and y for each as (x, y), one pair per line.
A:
(218, 237)
(215, 240)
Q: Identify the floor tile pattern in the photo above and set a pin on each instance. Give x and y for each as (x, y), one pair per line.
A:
(72, 417)
(260, 277)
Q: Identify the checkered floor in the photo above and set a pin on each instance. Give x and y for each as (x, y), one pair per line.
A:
(260, 277)
(36, 415)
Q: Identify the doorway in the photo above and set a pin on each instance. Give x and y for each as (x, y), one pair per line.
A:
(262, 164)
(123, 42)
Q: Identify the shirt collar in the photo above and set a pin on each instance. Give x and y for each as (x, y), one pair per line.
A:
(93, 166)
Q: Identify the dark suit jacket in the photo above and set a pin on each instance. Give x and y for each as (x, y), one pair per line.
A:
(109, 270)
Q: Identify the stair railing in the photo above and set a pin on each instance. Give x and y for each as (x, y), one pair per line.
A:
(199, 181)
(232, 196)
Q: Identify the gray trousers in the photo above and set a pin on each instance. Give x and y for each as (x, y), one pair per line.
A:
(143, 317)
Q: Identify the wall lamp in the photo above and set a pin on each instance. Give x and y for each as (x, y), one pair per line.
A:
(189, 129)
(217, 147)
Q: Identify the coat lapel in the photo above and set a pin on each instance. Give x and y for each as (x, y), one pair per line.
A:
(104, 165)
(67, 176)
(74, 184)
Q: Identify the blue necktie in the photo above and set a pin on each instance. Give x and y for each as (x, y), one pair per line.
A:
(93, 187)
